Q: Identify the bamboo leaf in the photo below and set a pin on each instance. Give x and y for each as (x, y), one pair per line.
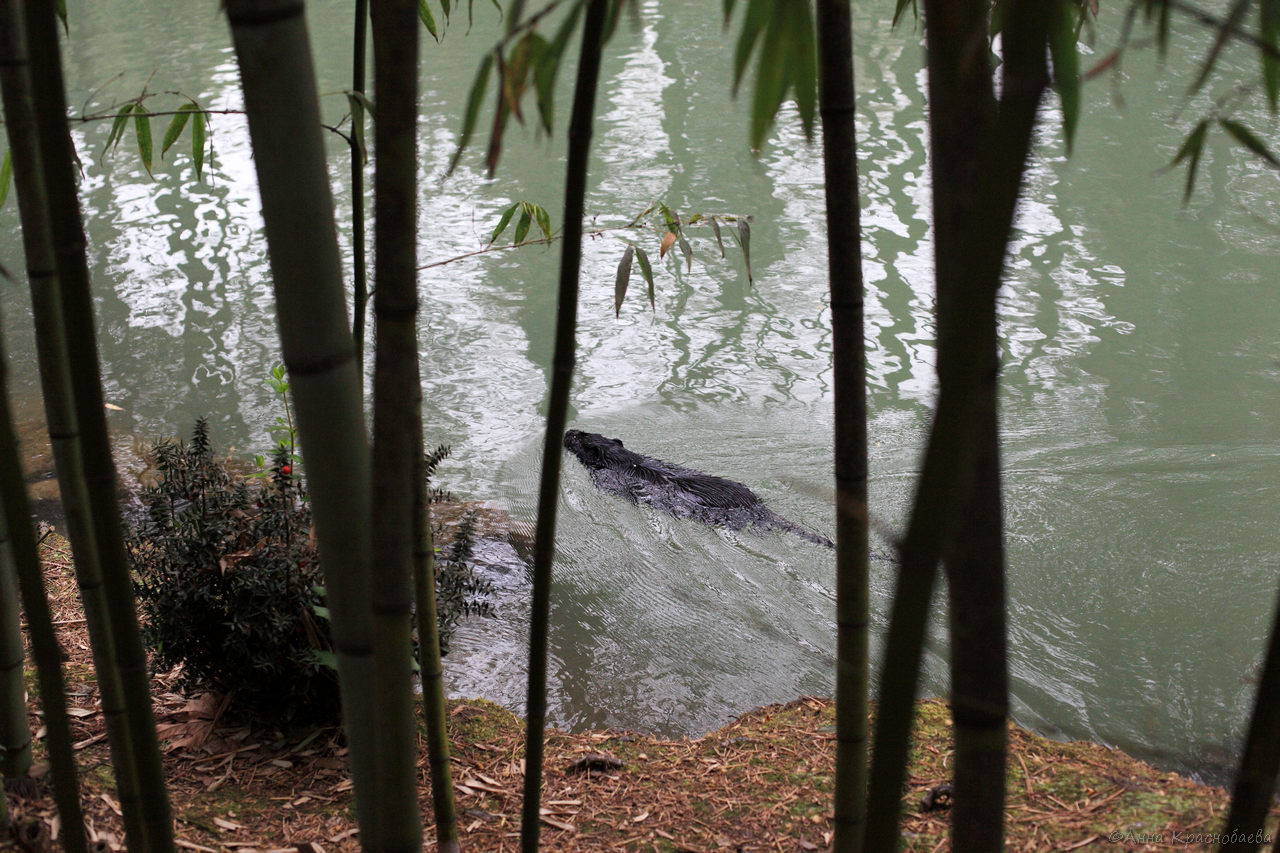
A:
(715, 227)
(501, 110)
(548, 68)
(142, 130)
(744, 239)
(686, 250)
(803, 63)
(428, 20)
(753, 24)
(672, 220)
(773, 78)
(522, 227)
(117, 128)
(666, 244)
(1269, 32)
(478, 88)
(543, 219)
(1191, 149)
(176, 125)
(517, 76)
(60, 6)
(503, 221)
(622, 280)
(6, 176)
(646, 270)
(197, 141)
(1247, 138)
(1066, 65)
(1230, 26)
(901, 7)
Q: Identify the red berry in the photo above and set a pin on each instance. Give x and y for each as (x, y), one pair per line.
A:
(285, 469)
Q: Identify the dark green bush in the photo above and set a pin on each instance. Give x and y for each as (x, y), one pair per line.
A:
(230, 584)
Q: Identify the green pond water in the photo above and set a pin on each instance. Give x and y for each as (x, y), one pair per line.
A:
(1141, 370)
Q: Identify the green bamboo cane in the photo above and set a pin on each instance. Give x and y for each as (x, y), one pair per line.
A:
(429, 663)
(979, 149)
(44, 640)
(283, 110)
(1255, 783)
(844, 259)
(24, 109)
(397, 416)
(557, 408)
(975, 569)
(15, 734)
(18, 107)
(76, 306)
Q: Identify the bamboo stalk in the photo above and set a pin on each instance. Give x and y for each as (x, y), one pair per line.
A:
(15, 734)
(397, 417)
(44, 640)
(1255, 783)
(283, 110)
(978, 150)
(429, 663)
(557, 408)
(844, 259)
(54, 243)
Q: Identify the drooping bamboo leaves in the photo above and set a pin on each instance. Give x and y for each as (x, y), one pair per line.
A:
(1192, 148)
(6, 176)
(142, 130)
(715, 227)
(428, 19)
(474, 100)
(1229, 27)
(1269, 33)
(621, 280)
(117, 128)
(177, 124)
(557, 410)
(198, 125)
(785, 62)
(1248, 139)
(282, 106)
(744, 242)
(1066, 64)
(647, 271)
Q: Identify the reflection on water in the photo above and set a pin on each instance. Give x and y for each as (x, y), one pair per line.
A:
(1140, 374)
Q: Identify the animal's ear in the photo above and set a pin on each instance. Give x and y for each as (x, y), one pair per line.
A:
(617, 441)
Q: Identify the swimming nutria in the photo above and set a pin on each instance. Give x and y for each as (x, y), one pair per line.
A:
(682, 492)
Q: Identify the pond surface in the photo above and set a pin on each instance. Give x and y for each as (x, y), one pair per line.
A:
(1141, 377)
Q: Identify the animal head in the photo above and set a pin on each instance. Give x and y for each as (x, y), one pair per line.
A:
(592, 449)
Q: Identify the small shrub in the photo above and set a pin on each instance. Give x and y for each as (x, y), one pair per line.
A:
(228, 579)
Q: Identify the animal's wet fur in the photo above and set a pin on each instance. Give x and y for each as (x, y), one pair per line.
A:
(674, 489)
